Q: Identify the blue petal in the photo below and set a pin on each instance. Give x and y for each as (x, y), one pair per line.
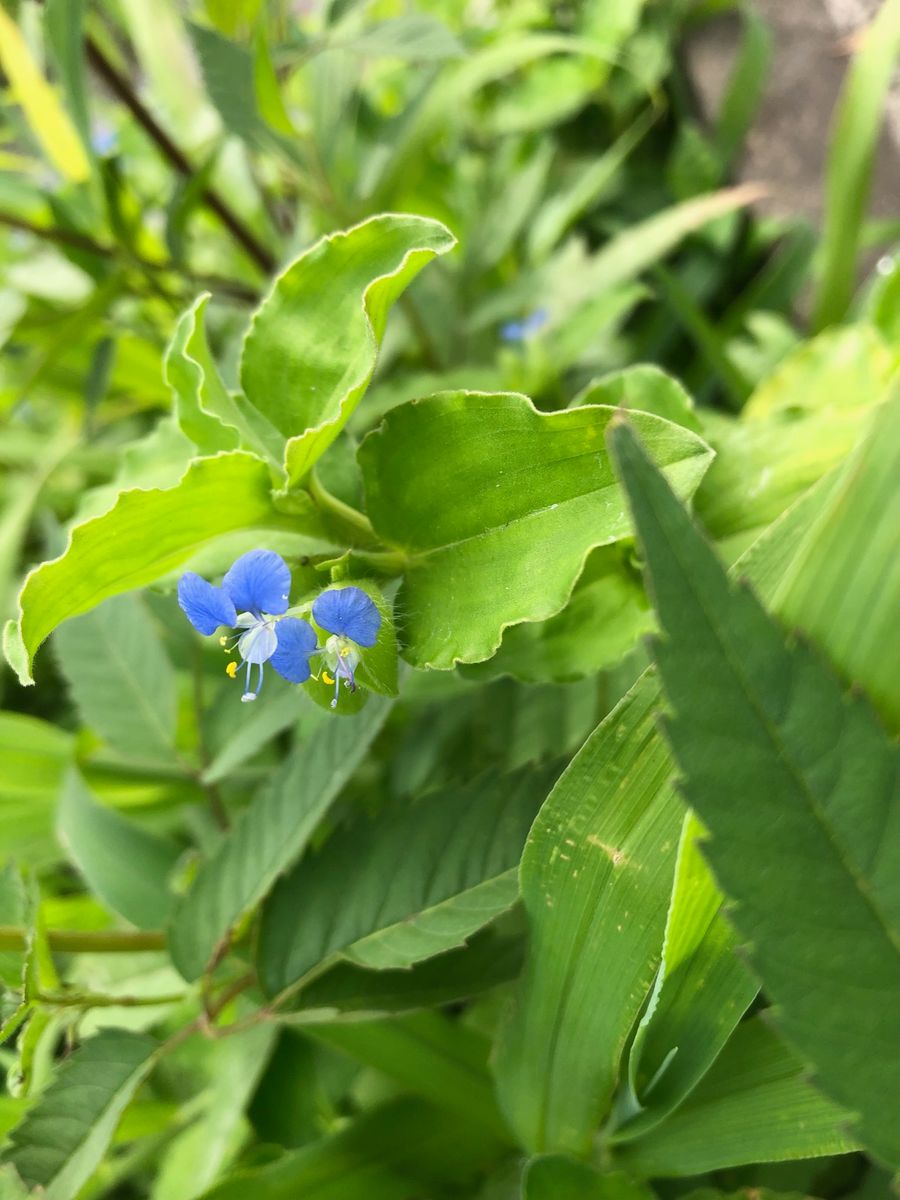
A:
(259, 582)
(296, 641)
(348, 611)
(205, 606)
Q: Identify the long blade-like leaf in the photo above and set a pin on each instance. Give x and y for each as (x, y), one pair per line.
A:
(796, 782)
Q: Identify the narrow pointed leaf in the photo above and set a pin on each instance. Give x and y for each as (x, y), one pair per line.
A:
(795, 780)
(460, 848)
(755, 1105)
(65, 1135)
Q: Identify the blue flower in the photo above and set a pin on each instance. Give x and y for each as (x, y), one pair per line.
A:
(353, 620)
(520, 331)
(253, 597)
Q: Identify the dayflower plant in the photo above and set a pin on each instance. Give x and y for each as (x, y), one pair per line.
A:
(254, 598)
(353, 620)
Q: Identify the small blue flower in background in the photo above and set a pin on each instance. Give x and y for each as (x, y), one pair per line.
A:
(520, 331)
(353, 620)
(253, 597)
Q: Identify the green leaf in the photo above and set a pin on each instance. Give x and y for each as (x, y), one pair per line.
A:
(595, 878)
(127, 867)
(210, 417)
(229, 80)
(645, 388)
(496, 506)
(195, 1159)
(843, 586)
(429, 1054)
(121, 678)
(859, 118)
(416, 37)
(35, 755)
(787, 771)
(398, 1151)
(312, 346)
(154, 532)
(701, 992)
(755, 1105)
(268, 836)
(553, 1177)
(606, 615)
(65, 1135)
(63, 21)
(280, 712)
(47, 119)
(416, 883)
(484, 962)
(799, 423)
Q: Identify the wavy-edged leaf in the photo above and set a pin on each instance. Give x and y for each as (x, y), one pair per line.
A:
(64, 1136)
(755, 1105)
(416, 883)
(268, 836)
(206, 412)
(121, 678)
(595, 878)
(607, 613)
(496, 506)
(143, 537)
(795, 781)
(126, 866)
(311, 349)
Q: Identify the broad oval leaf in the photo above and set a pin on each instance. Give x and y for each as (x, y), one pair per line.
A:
(64, 1136)
(311, 349)
(795, 781)
(268, 836)
(444, 867)
(496, 506)
(153, 532)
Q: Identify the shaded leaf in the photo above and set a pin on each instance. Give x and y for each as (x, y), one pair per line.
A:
(268, 836)
(126, 866)
(121, 678)
(755, 1105)
(460, 847)
(64, 1136)
(795, 780)
(553, 1177)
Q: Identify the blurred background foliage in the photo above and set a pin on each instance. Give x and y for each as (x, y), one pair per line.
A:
(195, 147)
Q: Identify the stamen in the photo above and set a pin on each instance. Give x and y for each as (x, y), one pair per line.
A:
(248, 695)
(231, 669)
(328, 678)
(223, 640)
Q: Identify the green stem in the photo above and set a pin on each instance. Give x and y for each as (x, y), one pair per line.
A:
(343, 518)
(101, 1000)
(111, 941)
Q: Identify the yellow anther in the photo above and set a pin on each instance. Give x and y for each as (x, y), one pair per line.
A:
(231, 669)
(328, 679)
(223, 641)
